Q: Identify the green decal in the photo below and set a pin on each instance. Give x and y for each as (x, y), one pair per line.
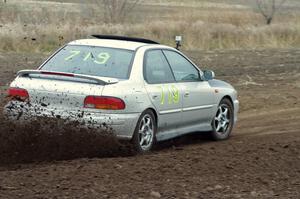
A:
(175, 93)
(73, 54)
(89, 55)
(170, 98)
(102, 58)
(162, 98)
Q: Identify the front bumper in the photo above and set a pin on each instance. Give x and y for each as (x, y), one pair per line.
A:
(236, 107)
(123, 125)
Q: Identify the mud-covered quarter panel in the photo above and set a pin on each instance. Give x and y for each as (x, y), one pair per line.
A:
(136, 100)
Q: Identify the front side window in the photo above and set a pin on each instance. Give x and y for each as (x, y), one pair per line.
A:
(183, 69)
(92, 60)
(157, 69)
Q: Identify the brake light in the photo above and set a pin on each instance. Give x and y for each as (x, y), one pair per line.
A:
(101, 102)
(57, 73)
(18, 94)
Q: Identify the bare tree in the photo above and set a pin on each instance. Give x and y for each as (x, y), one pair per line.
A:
(117, 10)
(268, 8)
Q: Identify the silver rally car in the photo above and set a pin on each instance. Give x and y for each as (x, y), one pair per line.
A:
(144, 91)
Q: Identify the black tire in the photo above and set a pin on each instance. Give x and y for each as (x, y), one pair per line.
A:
(223, 133)
(137, 136)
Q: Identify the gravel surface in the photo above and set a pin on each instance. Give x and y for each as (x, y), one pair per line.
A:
(261, 160)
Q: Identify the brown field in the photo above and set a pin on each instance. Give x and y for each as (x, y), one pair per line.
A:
(206, 25)
(261, 160)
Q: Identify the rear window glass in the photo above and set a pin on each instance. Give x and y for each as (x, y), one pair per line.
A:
(91, 60)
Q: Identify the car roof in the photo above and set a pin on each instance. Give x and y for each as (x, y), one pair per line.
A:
(112, 43)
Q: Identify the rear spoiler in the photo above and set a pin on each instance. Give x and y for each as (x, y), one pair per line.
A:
(99, 80)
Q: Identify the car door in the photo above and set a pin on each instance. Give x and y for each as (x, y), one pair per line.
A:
(162, 89)
(197, 95)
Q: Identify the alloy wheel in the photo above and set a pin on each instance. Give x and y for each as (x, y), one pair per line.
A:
(146, 132)
(222, 119)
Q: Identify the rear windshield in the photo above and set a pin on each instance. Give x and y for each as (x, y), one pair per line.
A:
(91, 60)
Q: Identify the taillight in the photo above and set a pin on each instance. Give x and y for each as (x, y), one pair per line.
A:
(18, 94)
(102, 102)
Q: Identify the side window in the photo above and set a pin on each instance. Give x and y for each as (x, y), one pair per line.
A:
(183, 69)
(157, 69)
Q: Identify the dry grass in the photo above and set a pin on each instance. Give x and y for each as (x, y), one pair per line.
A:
(45, 26)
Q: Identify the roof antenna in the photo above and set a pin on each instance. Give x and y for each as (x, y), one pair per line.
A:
(178, 40)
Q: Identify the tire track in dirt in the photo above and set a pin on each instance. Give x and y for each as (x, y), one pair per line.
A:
(269, 122)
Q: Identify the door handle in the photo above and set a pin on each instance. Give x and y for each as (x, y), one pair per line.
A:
(154, 97)
(187, 94)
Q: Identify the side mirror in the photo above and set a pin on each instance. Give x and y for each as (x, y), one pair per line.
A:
(208, 75)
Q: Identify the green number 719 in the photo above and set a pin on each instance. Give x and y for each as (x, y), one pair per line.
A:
(101, 58)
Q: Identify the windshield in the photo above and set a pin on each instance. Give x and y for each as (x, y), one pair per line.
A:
(91, 60)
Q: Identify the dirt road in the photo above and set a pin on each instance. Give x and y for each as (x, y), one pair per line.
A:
(261, 160)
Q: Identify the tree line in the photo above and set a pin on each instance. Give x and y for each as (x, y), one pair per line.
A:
(115, 11)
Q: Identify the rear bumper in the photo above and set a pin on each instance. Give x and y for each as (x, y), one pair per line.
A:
(123, 125)
(236, 106)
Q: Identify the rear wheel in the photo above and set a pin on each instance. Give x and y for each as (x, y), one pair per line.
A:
(144, 134)
(223, 121)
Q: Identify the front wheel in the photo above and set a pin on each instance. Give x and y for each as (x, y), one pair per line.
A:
(144, 134)
(223, 121)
